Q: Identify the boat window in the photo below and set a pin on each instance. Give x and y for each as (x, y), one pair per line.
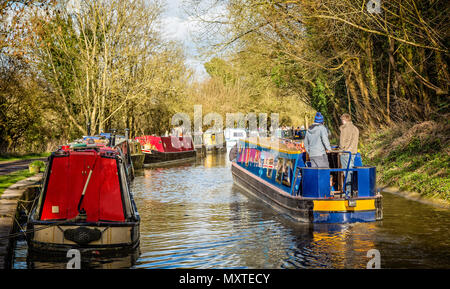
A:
(269, 173)
(280, 170)
(297, 175)
(284, 171)
(269, 165)
(267, 161)
(288, 172)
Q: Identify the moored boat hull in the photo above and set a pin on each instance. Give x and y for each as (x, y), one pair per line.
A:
(211, 149)
(138, 160)
(153, 158)
(166, 150)
(107, 238)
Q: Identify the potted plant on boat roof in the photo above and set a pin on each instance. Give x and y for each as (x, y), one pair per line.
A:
(35, 167)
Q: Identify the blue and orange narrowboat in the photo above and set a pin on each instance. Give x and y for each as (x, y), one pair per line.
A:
(159, 150)
(85, 202)
(278, 172)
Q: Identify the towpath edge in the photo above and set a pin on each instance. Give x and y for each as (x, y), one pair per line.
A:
(9, 202)
(439, 203)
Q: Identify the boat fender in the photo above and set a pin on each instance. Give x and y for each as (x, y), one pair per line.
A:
(82, 235)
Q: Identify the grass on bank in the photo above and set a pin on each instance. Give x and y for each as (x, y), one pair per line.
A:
(412, 157)
(17, 157)
(9, 179)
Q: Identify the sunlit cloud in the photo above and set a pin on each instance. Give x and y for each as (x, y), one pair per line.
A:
(176, 25)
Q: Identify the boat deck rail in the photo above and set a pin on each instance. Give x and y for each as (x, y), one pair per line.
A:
(290, 170)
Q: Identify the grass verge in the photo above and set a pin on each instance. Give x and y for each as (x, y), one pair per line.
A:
(412, 157)
(9, 179)
(17, 157)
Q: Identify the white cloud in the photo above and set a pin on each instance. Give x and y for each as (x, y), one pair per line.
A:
(198, 67)
(177, 25)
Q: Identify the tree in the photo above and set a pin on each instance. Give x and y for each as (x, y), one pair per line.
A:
(378, 67)
(101, 59)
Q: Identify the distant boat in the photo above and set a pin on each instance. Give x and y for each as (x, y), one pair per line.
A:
(160, 150)
(278, 173)
(85, 202)
(214, 142)
(137, 156)
(232, 135)
(118, 142)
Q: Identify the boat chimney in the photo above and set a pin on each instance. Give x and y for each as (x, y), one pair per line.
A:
(89, 128)
(113, 137)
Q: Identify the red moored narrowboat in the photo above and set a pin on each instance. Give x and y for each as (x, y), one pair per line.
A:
(166, 150)
(85, 202)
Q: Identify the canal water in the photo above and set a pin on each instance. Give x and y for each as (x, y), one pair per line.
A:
(192, 216)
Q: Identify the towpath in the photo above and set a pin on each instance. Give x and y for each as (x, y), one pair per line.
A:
(12, 166)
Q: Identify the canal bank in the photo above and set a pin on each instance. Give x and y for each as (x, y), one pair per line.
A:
(12, 200)
(412, 157)
(439, 203)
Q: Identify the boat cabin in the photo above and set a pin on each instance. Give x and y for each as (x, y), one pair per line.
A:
(165, 144)
(214, 141)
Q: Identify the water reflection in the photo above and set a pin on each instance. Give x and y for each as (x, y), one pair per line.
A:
(192, 216)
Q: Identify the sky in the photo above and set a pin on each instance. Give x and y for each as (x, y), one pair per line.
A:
(177, 25)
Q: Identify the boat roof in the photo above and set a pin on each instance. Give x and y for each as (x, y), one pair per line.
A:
(277, 144)
(94, 143)
(234, 129)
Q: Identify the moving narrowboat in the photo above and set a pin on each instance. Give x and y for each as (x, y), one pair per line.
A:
(279, 173)
(166, 150)
(85, 202)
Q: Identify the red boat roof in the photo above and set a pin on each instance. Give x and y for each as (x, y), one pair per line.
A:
(90, 171)
(166, 143)
(90, 168)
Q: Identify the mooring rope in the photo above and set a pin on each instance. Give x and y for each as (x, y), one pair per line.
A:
(14, 235)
